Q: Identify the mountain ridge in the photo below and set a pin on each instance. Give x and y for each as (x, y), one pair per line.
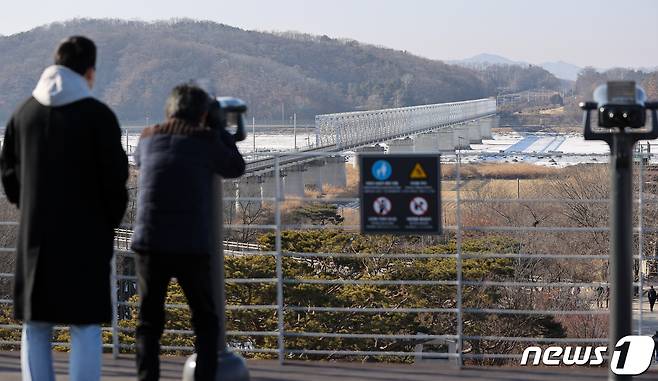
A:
(139, 62)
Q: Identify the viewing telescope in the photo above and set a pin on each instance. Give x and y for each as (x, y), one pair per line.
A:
(228, 113)
(620, 104)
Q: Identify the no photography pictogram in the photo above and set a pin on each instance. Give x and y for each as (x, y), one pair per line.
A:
(418, 206)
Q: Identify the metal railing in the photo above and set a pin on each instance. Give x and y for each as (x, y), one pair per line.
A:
(474, 205)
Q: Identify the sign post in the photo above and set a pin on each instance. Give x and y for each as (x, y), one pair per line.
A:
(400, 194)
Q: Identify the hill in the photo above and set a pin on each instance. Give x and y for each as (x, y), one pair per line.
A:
(559, 69)
(139, 62)
(488, 59)
(563, 70)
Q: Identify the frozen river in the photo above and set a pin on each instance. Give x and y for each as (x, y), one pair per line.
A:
(539, 148)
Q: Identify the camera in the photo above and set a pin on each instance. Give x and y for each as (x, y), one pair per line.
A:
(227, 113)
(620, 104)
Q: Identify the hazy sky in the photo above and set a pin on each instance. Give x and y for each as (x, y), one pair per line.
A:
(601, 33)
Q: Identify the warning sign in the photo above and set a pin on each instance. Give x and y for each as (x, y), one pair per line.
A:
(418, 173)
(400, 194)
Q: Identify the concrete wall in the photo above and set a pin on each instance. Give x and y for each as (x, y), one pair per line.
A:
(401, 145)
(474, 133)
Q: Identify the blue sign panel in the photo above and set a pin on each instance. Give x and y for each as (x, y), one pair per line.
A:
(381, 170)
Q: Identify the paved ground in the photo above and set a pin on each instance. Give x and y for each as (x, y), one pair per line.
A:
(123, 370)
(649, 319)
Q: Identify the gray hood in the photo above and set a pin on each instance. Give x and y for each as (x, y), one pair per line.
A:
(59, 86)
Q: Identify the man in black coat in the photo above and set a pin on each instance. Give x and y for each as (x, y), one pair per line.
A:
(63, 165)
(652, 298)
(178, 161)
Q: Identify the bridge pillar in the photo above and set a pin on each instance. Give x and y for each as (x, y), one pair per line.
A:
(401, 145)
(231, 191)
(268, 185)
(293, 183)
(474, 133)
(446, 139)
(313, 177)
(334, 172)
(461, 139)
(427, 142)
(485, 127)
(249, 192)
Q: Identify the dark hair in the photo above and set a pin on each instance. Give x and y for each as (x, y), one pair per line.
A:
(187, 102)
(77, 53)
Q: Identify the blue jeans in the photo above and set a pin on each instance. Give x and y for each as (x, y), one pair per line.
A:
(36, 354)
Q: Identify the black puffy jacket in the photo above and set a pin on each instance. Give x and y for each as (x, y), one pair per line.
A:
(177, 163)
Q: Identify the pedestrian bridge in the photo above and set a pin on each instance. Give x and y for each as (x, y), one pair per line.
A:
(442, 127)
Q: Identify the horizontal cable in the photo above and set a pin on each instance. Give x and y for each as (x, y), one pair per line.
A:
(537, 339)
(537, 256)
(238, 253)
(52, 344)
(370, 309)
(189, 332)
(249, 226)
(248, 199)
(373, 282)
(535, 200)
(486, 283)
(546, 229)
(56, 327)
(368, 336)
(476, 255)
(250, 280)
(369, 353)
(237, 307)
(369, 255)
(503, 311)
(191, 349)
(322, 200)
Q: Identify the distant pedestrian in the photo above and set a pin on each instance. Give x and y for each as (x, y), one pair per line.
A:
(178, 161)
(607, 297)
(63, 165)
(599, 296)
(652, 298)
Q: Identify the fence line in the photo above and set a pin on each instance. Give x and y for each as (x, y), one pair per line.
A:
(457, 312)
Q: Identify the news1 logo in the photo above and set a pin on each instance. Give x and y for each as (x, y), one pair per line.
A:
(632, 355)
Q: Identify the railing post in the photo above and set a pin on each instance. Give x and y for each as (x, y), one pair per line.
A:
(279, 262)
(458, 223)
(641, 237)
(115, 307)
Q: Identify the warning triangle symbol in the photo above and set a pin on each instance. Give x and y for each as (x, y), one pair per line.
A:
(418, 173)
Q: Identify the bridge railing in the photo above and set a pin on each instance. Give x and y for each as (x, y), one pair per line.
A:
(351, 129)
(522, 262)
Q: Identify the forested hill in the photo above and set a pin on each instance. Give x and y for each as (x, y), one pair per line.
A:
(139, 63)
